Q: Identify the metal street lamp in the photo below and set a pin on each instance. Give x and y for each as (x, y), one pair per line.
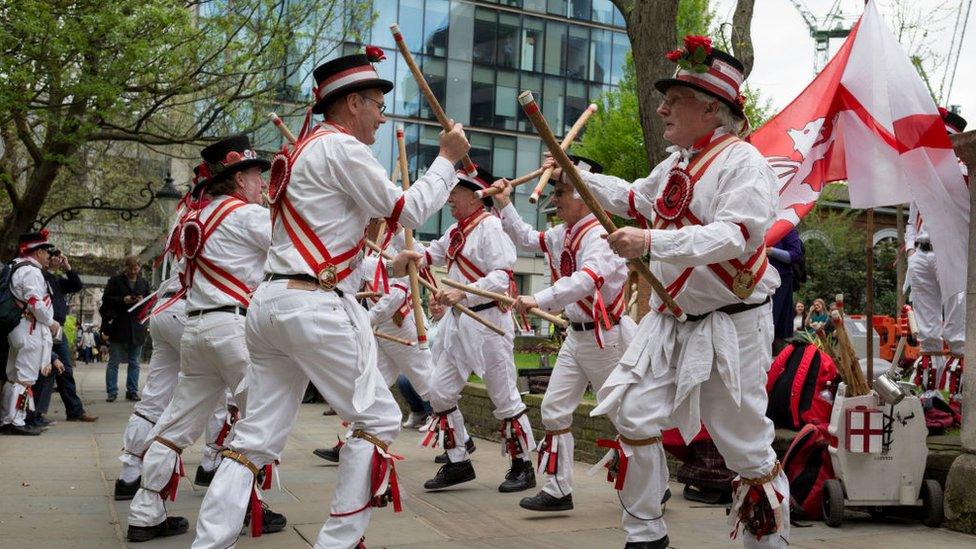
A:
(168, 196)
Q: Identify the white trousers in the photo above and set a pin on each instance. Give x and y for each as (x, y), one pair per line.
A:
(295, 336)
(396, 358)
(213, 358)
(215, 424)
(30, 349)
(936, 321)
(581, 362)
(451, 373)
(166, 330)
(742, 433)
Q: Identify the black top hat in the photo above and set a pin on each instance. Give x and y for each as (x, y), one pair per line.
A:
(708, 70)
(344, 75)
(479, 182)
(225, 158)
(953, 122)
(28, 242)
(586, 164)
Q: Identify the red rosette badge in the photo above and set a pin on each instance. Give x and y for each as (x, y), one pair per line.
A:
(567, 264)
(676, 196)
(191, 235)
(375, 54)
(456, 244)
(280, 174)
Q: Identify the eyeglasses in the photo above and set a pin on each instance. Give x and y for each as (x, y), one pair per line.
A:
(381, 106)
(670, 102)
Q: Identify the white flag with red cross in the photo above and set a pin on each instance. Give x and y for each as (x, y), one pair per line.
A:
(868, 118)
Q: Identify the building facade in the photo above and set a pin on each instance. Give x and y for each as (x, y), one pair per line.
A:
(477, 56)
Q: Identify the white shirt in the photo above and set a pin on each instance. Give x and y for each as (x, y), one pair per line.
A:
(239, 246)
(593, 253)
(736, 196)
(28, 285)
(337, 186)
(386, 306)
(488, 248)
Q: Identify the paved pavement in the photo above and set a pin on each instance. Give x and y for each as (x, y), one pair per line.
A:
(55, 492)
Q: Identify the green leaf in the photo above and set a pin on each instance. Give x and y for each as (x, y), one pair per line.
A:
(685, 64)
(699, 55)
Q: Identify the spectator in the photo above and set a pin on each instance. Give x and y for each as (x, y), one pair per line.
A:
(783, 256)
(799, 316)
(126, 334)
(88, 345)
(818, 315)
(67, 282)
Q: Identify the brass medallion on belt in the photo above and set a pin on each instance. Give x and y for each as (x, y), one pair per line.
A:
(328, 278)
(743, 283)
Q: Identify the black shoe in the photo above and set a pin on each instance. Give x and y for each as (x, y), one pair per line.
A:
(521, 476)
(707, 496)
(544, 501)
(111, 398)
(203, 476)
(21, 430)
(666, 497)
(126, 490)
(329, 454)
(134, 397)
(656, 544)
(469, 446)
(450, 474)
(41, 421)
(271, 522)
(172, 526)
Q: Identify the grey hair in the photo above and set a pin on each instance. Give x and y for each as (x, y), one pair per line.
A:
(732, 123)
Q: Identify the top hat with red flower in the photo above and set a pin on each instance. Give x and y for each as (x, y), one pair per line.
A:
(708, 70)
(478, 182)
(953, 122)
(28, 242)
(344, 75)
(225, 158)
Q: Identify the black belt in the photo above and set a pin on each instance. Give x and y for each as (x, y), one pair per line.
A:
(237, 309)
(303, 278)
(924, 246)
(729, 309)
(484, 306)
(587, 326)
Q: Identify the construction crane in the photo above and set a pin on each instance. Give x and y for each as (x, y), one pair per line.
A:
(833, 25)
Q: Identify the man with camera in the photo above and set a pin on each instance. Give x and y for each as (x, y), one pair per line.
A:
(126, 334)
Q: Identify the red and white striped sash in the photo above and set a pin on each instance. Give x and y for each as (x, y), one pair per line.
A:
(223, 280)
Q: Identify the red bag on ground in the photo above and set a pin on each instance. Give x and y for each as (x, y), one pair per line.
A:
(807, 465)
(796, 384)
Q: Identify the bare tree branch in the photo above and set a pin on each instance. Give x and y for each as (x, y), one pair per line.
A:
(741, 33)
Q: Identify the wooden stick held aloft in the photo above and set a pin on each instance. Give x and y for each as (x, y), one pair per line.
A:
(393, 338)
(504, 299)
(418, 307)
(531, 109)
(460, 308)
(567, 141)
(492, 191)
(435, 105)
(280, 124)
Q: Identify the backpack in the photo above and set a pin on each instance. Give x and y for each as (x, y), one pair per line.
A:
(807, 465)
(11, 308)
(799, 379)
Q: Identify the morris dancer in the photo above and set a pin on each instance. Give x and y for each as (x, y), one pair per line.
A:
(476, 251)
(705, 209)
(304, 322)
(31, 341)
(938, 319)
(225, 244)
(587, 283)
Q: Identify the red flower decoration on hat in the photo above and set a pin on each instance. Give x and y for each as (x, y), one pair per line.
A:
(375, 54)
(740, 100)
(232, 158)
(693, 42)
(203, 170)
(943, 112)
(44, 233)
(674, 55)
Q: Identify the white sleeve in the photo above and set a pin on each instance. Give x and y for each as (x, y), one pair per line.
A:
(27, 284)
(389, 303)
(523, 235)
(596, 257)
(744, 209)
(258, 227)
(362, 177)
(435, 254)
(910, 227)
(500, 255)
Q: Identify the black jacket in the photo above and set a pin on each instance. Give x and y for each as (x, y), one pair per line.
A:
(121, 325)
(60, 286)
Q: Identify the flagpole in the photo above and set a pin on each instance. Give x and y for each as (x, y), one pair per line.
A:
(869, 302)
(900, 252)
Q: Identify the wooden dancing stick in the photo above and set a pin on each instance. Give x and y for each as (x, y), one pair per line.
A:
(418, 307)
(280, 124)
(393, 338)
(460, 308)
(435, 105)
(561, 322)
(567, 141)
(492, 191)
(531, 109)
(368, 295)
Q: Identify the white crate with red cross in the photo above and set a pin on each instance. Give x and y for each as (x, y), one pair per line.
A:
(865, 430)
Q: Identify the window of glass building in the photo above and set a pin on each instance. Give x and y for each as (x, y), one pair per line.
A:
(534, 5)
(507, 53)
(483, 47)
(579, 9)
(480, 152)
(577, 50)
(603, 11)
(621, 46)
(461, 31)
(405, 91)
(555, 47)
(533, 31)
(411, 21)
(600, 56)
(506, 100)
(482, 96)
(553, 102)
(503, 158)
(557, 7)
(436, 19)
(385, 12)
(435, 71)
(531, 83)
(576, 101)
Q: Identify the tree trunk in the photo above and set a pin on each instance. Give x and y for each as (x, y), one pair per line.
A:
(742, 35)
(651, 28)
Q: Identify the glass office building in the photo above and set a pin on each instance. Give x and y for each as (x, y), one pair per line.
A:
(477, 57)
